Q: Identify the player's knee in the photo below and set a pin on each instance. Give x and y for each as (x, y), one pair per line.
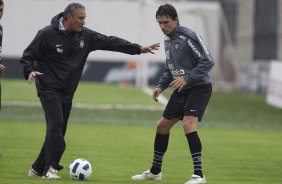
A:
(162, 128)
(190, 124)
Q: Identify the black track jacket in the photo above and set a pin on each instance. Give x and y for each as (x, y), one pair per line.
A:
(61, 55)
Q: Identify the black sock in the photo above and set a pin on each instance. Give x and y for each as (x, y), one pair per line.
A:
(195, 146)
(160, 147)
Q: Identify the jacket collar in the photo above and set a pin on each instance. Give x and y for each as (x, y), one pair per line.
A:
(61, 26)
(174, 31)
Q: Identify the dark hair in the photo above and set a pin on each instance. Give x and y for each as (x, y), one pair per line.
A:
(71, 8)
(1, 3)
(167, 10)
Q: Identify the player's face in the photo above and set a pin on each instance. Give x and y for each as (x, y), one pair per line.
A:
(166, 24)
(1, 10)
(77, 21)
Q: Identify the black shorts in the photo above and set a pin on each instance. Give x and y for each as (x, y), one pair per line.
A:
(188, 102)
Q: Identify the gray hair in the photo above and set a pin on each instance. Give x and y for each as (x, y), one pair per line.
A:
(71, 9)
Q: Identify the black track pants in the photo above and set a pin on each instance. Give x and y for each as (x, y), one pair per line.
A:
(56, 115)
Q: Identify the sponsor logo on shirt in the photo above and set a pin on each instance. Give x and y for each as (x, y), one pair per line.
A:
(203, 44)
(194, 49)
(175, 71)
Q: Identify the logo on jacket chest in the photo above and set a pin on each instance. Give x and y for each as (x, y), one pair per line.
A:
(176, 45)
(59, 48)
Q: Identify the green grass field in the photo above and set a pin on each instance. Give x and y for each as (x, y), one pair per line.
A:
(241, 137)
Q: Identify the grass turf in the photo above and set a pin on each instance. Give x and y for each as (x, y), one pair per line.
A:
(119, 151)
(87, 92)
(240, 133)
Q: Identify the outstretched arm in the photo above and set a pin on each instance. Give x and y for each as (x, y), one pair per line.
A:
(112, 43)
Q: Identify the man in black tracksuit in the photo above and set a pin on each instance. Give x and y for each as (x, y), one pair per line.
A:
(55, 58)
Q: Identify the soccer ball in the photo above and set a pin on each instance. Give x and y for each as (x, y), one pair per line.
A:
(80, 169)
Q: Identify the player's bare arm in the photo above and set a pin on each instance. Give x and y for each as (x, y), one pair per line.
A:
(33, 75)
(150, 48)
(178, 83)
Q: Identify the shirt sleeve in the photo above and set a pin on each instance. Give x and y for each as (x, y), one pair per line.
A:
(165, 79)
(32, 54)
(113, 43)
(203, 58)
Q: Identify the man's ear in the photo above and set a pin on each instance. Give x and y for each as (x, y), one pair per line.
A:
(69, 16)
(176, 19)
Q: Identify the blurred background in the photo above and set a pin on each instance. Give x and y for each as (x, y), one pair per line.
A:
(245, 38)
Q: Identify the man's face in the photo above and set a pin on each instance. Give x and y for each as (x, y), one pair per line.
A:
(77, 21)
(1, 10)
(166, 24)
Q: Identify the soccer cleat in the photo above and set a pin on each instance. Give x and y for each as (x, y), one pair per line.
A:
(195, 179)
(33, 173)
(51, 174)
(147, 175)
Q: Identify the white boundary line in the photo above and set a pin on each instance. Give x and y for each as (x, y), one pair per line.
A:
(90, 106)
